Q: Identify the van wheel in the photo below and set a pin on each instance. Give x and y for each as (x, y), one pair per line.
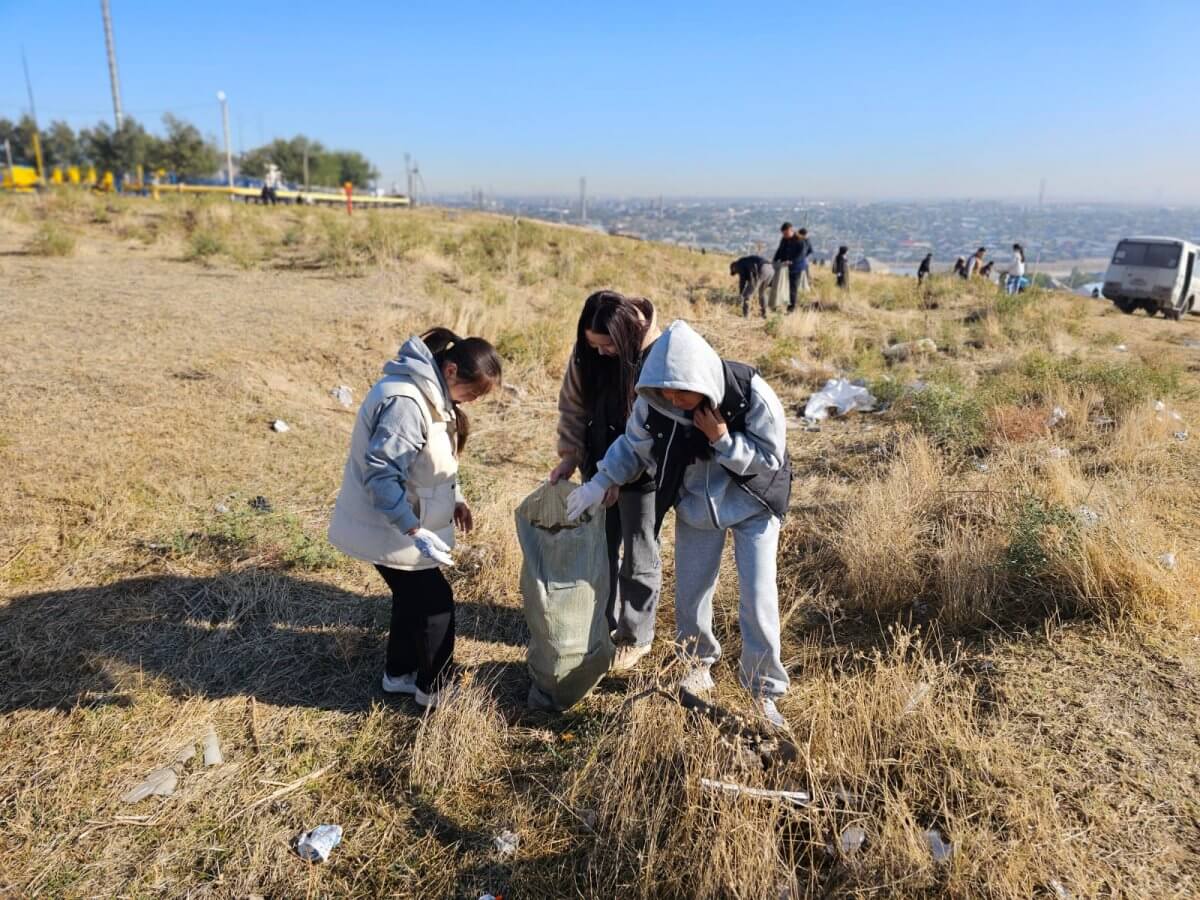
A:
(1125, 306)
(1191, 302)
(1172, 314)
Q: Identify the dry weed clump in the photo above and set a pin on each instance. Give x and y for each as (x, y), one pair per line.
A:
(51, 239)
(460, 744)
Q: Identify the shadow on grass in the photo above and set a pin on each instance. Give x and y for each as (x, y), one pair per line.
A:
(267, 634)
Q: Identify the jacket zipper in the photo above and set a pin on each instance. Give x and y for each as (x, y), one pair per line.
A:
(666, 456)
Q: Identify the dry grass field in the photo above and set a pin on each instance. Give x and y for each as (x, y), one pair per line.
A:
(983, 633)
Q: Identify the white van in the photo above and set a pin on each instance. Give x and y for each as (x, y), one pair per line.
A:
(1156, 274)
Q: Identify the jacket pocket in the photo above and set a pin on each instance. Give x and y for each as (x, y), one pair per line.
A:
(435, 506)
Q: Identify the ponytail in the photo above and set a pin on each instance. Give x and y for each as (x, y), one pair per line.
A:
(477, 362)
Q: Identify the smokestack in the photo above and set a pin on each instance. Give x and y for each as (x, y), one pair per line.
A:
(583, 200)
(113, 77)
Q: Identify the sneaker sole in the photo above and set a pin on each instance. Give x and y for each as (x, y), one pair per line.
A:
(407, 689)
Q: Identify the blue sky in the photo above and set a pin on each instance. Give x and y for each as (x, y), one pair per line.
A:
(875, 100)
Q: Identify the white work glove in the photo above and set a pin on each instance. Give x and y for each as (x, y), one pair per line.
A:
(430, 546)
(584, 498)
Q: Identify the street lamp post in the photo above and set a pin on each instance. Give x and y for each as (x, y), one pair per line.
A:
(228, 152)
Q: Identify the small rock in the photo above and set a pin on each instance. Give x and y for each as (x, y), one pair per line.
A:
(506, 843)
(343, 395)
(260, 504)
(220, 509)
(1167, 560)
(939, 848)
(852, 839)
(280, 426)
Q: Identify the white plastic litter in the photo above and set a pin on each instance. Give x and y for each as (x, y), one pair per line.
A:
(852, 839)
(212, 749)
(839, 395)
(159, 783)
(343, 395)
(316, 845)
(1060, 892)
(939, 848)
(1059, 453)
(919, 692)
(1087, 516)
(186, 753)
(280, 426)
(1058, 415)
(899, 352)
(1181, 435)
(506, 843)
(220, 509)
(1121, 348)
(1167, 560)
(980, 465)
(796, 798)
(1159, 406)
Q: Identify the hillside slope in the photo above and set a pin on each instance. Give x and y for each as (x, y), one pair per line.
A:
(982, 632)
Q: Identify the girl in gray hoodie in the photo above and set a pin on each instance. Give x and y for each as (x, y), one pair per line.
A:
(400, 501)
(712, 435)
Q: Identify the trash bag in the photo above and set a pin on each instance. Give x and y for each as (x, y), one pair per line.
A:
(839, 395)
(564, 585)
(778, 293)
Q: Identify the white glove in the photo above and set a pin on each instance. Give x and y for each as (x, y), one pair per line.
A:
(584, 498)
(432, 547)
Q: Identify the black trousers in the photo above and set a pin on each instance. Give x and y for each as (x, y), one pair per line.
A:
(421, 639)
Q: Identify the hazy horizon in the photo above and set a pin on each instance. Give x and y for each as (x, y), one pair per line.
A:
(874, 103)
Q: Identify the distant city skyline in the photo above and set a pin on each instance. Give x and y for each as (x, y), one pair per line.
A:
(878, 101)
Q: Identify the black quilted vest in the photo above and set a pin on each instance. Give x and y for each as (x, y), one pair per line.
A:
(677, 446)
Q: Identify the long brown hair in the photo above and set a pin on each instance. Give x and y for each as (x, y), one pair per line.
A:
(477, 361)
(625, 321)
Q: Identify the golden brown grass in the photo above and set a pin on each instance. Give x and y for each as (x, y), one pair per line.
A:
(969, 650)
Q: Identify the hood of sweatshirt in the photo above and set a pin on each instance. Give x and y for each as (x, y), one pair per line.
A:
(414, 361)
(681, 360)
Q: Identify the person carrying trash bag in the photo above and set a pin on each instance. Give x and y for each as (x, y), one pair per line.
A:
(712, 435)
(400, 501)
(598, 392)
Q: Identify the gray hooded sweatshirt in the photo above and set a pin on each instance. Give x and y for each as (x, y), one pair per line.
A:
(682, 360)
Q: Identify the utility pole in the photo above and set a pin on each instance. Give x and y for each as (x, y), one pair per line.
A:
(583, 200)
(306, 165)
(37, 141)
(112, 63)
(408, 177)
(224, 101)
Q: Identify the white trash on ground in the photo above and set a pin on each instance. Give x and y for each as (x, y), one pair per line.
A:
(1059, 453)
(1121, 348)
(316, 845)
(795, 798)
(939, 848)
(919, 692)
(1167, 561)
(1087, 516)
(212, 749)
(506, 843)
(852, 839)
(841, 396)
(901, 352)
(343, 395)
(1058, 415)
(280, 426)
(159, 783)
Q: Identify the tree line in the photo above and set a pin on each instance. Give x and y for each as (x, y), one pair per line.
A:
(180, 149)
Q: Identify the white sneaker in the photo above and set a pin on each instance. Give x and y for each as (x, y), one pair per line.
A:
(629, 655)
(766, 708)
(698, 681)
(434, 700)
(401, 684)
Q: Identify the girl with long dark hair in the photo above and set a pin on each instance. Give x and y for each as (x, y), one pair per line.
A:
(400, 500)
(598, 391)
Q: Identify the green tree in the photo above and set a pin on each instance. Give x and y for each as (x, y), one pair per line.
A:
(61, 146)
(20, 139)
(326, 168)
(120, 150)
(184, 150)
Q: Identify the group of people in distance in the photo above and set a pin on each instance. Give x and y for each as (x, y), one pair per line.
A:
(756, 274)
(654, 419)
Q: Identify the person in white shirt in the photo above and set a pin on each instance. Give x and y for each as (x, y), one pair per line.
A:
(1016, 271)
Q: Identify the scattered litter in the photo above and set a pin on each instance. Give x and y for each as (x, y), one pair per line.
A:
(1060, 892)
(939, 848)
(1058, 415)
(186, 753)
(840, 395)
(852, 839)
(1159, 406)
(1104, 423)
(260, 504)
(220, 509)
(506, 843)
(515, 389)
(343, 395)
(1121, 348)
(1167, 560)
(1087, 516)
(1176, 416)
(919, 692)
(980, 465)
(159, 783)
(1059, 453)
(900, 352)
(1191, 343)
(316, 845)
(212, 749)
(280, 426)
(796, 798)
(588, 818)
(1181, 435)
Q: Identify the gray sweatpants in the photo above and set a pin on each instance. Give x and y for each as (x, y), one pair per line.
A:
(761, 282)
(697, 562)
(633, 583)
